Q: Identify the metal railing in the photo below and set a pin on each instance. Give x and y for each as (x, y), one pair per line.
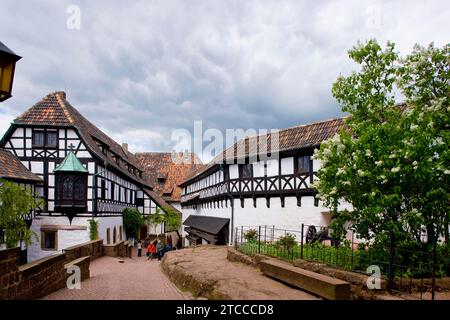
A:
(406, 270)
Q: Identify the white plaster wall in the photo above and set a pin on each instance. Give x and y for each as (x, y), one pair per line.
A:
(258, 169)
(287, 165)
(68, 238)
(272, 167)
(316, 165)
(290, 217)
(234, 171)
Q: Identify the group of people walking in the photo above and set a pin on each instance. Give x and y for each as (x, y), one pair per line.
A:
(154, 249)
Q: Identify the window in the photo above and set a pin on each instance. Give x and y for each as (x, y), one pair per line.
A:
(67, 188)
(71, 191)
(49, 240)
(114, 235)
(303, 164)
(38, 139)
(112, 191)
(246, 170)
(120, 233)
(139, 202)
(103, 189)
(108, 236)
(52, 139)
(78, 189)
(47, 139)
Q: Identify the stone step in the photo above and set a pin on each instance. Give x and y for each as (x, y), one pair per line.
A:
(319, 284)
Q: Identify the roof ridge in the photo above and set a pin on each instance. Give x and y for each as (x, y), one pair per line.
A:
(62, 104)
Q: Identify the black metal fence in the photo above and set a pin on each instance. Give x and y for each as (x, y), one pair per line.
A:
(407, 270)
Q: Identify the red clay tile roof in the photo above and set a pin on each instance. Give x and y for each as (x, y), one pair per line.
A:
(12, 168)
(297, 137)
(158, 165)
(55, 110)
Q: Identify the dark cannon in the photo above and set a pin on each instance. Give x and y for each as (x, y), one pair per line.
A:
(312, 236)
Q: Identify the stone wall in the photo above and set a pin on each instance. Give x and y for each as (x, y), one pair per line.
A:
(31, 280)
(119, 249)
(94, 249)
(44, 276)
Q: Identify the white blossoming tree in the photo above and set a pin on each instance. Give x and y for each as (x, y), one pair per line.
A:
(392, 161)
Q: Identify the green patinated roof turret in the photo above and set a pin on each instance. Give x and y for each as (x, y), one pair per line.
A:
(71, 164)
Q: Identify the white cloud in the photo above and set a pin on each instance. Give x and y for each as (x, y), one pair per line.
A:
(142, 70)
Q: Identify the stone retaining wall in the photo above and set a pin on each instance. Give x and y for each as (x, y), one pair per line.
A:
(36, 279)
(119, 249)
(94, 249)
(44, 276)
(357, 281)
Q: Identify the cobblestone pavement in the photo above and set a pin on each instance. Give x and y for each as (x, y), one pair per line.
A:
(134, 279)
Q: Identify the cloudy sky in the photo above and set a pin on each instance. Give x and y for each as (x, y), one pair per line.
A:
(141, 69)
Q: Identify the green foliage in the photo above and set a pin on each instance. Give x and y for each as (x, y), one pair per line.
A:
(93, 229)
(16, 203)
(132, 221)
(409, 263)
(156, 218)
(251, 235)
(391, 164)
(172, 219)
(287, 242)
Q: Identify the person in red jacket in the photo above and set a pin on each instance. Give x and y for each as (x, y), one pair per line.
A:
(151, 250)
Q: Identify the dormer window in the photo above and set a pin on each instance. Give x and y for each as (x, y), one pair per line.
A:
(162, 177)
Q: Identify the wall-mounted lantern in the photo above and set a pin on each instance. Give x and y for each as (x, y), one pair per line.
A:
(8, 61)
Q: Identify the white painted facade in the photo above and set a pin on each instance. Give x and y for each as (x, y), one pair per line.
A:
(68, 238)
(290, 204)
(108, 193)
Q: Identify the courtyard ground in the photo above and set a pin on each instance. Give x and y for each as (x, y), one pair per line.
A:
(206, 272)
(132, 279)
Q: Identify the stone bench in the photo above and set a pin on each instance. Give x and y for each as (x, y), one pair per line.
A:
(319, 284)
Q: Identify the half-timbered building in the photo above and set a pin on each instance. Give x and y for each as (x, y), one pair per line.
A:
(84, 174)
(266, 178)
(165, 171)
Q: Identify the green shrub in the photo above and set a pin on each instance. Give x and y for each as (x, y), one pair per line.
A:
(251, 235)
(287, 242)
(132, 221)
(93, 229)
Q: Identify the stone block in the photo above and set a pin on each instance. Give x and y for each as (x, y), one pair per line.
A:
(319, 284)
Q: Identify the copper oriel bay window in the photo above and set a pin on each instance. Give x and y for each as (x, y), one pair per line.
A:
(71, 186)
(8, 61)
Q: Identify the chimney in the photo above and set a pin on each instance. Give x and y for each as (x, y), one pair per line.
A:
(125, 147)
